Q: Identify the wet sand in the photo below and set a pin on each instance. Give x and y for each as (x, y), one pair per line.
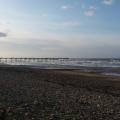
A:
(34, 94)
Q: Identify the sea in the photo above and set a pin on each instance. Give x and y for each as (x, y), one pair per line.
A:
(108, 66)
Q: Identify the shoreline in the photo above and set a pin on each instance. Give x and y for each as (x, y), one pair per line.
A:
(103, 71)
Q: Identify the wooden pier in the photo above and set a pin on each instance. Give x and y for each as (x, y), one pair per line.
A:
(25, 59)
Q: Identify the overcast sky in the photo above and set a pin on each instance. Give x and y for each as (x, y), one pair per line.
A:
(60, 28)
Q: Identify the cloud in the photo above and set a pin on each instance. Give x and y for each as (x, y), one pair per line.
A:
(2, 34)
(66, 7)
(91, 11)
(108, 2)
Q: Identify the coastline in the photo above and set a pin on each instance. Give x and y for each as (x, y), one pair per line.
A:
(31, 93)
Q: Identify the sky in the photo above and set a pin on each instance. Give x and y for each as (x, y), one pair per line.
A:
(59, 28)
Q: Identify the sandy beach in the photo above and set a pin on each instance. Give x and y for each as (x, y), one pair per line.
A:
(35, 94)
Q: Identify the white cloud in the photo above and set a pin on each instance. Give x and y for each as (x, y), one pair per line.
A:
(108, 2)
(90, 11)
(66, 7)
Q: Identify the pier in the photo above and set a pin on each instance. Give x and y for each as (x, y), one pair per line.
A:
(25, 59)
